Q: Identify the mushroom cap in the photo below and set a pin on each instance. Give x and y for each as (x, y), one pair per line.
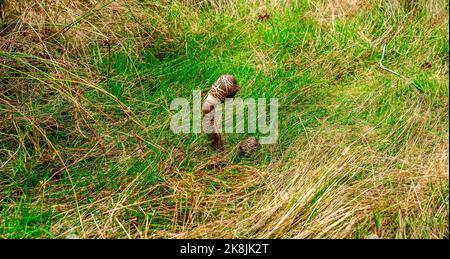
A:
(248, 146)
(224, 87)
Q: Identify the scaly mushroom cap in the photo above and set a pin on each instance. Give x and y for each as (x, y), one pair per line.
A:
(248, 146)
(224, 87)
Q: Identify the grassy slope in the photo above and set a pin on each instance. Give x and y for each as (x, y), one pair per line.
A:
(360, 152)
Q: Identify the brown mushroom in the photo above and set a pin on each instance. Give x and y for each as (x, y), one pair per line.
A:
(224, 87)
(248, 146)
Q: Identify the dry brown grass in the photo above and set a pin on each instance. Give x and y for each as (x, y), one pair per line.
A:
(312, 197)
(49, 28)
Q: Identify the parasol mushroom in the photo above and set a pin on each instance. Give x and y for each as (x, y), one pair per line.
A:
(224, 87)
(248, 146)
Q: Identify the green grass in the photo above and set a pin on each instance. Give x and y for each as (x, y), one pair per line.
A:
(130, 168)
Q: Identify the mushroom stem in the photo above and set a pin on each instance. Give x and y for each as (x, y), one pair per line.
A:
(216, 140)
(215, 137)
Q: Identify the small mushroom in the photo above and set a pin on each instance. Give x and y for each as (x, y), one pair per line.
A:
(248, 146)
